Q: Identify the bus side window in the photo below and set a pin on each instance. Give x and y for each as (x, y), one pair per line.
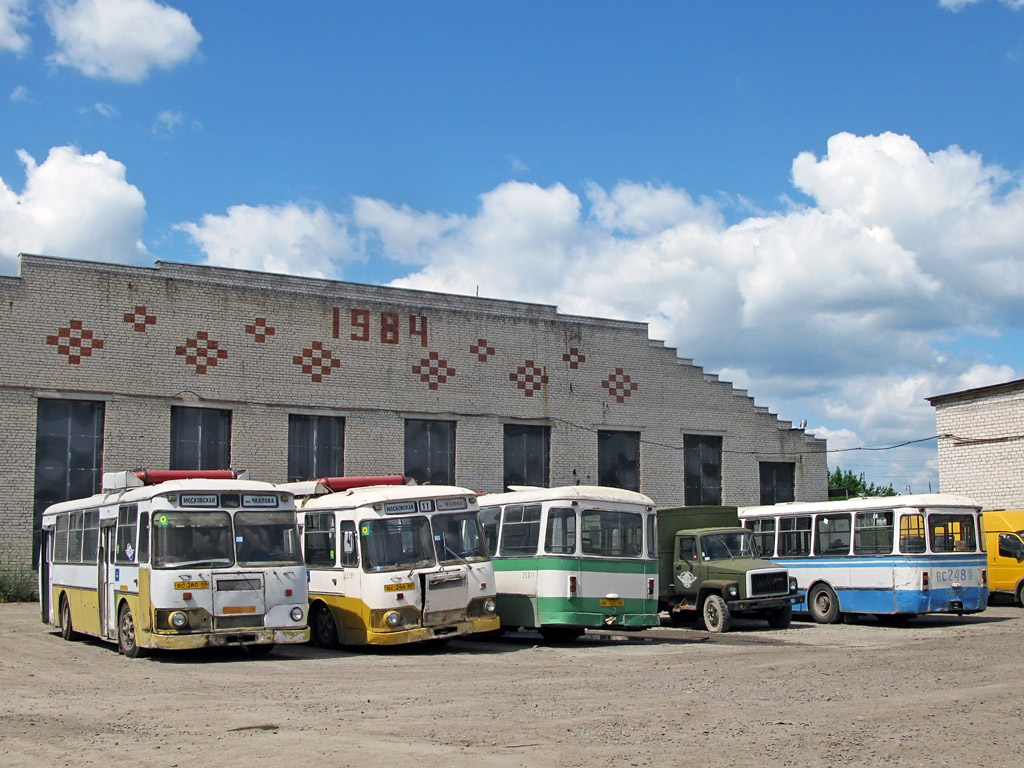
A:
(144, 538)
(127, 526)
(349, 550)
(912, 534)
(319, 539)
(489, 517)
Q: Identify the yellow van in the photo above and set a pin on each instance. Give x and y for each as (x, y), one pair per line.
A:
(1004, 539)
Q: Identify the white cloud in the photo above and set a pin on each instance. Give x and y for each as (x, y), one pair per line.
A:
(284, 239)
(20, 93)
(407, 236)
(166, 122)
(75, 206)
(959, 5)
(120, 39)
(13, 16)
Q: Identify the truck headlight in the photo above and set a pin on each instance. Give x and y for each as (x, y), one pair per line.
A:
(296, 614)
(732, 590)
(489, 605)
(392, 619)
(178, 620)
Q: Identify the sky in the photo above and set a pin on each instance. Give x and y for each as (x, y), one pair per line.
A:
(821, 202)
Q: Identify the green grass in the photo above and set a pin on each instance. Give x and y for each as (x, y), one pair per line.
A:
(17, 585)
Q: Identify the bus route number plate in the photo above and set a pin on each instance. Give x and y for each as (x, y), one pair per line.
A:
(191, 585)
(612, 603)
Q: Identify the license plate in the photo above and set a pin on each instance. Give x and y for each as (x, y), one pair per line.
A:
(399, 587)
(191, 585)
(612, 603)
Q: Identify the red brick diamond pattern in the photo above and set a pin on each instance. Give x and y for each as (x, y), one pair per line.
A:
(140, 318)
(74, 342)
(201, 352)
(316, 361)
(433, 371)
(482, 350)
(529, 378)
(259, 330)
(619, 385)
(574, 358)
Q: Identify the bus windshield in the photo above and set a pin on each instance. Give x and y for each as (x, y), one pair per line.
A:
(458, 538)
(396, 543)
(724, 546)
(186, 539)
(267, 538)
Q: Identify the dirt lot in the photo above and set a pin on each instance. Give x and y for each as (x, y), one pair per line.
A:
(937, 692)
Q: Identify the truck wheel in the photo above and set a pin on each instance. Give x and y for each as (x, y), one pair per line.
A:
(781, 618)
(1020, 594)
(823, 604)
(716, 614)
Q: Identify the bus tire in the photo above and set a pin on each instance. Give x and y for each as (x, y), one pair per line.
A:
(823, 604)
(561, 634)
(66, 630)
(127, 643)
(323, 630)
(716, 614)
(781, 618)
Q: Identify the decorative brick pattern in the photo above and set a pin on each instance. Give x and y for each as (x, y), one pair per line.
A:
(433, 371)
(201, 352)
(75, 342)
(619, 385)
(574, 358)
(529, 377)
(259, 330)
(316, 361)
(140, 318)
(482, 350)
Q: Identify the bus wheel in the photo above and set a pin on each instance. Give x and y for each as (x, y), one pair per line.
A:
(323, 629)
(126, 642)
(781, 618)
(66, 630)
(823, 604)
(716, 614)
(561, 634)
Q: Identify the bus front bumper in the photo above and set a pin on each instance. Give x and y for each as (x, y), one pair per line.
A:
(237, 638)
(419, 634)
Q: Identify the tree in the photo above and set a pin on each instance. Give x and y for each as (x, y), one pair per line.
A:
(856, 485)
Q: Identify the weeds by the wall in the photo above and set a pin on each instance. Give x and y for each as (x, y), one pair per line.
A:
(17, 585)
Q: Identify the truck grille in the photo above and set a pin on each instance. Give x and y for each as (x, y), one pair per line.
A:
(769, 583)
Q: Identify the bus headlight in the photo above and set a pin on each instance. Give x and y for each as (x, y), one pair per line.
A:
(489, 605)
(792, 584)
(296, 613)
(178, 620)
(732, 590)
(392, 619)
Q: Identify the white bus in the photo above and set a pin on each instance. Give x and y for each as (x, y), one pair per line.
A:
(175, 559)
(891, 556)
(574, 557)
(390, 563)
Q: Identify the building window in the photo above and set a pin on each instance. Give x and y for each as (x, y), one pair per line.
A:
(702, 460)
(618, 459)
(526, 455)
(776, 481)
(316, 447)
(69, 456)
(430, 451)
(200, 438)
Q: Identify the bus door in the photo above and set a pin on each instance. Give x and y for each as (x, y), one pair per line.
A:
(104, 583)
(45, 588)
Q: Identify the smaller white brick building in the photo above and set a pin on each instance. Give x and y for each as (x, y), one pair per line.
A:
(981, 444)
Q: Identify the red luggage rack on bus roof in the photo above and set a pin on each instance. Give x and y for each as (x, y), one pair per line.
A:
(365, 481)
(157, 476)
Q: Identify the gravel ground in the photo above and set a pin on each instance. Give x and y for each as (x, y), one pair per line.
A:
(940, 691)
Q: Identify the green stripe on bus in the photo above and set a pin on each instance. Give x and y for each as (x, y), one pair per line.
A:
(518, 610)
(649, 567)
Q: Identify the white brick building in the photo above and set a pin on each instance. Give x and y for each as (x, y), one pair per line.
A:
(112, 367)
(981, 444)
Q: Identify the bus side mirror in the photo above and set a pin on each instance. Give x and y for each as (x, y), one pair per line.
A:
(349, 542)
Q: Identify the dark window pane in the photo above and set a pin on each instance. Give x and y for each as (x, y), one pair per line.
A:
(430, 451)
(316, 447)
(776, 481)
(618, 459)
(526, 455)
(200, 438)
(702, 464)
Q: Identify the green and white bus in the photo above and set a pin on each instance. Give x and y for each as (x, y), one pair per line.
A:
(572, 558)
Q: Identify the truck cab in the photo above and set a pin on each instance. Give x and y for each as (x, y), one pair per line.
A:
(717, 573)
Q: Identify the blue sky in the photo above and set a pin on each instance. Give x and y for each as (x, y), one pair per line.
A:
(821, 202)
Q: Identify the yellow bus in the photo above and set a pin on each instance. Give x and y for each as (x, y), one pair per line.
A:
(393, 563)
(175, 559)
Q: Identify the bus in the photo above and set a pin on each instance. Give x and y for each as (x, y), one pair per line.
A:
(895, 557)
(175, 559)
(571, 558)
(390, 563)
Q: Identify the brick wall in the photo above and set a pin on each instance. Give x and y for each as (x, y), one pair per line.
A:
(264, 346)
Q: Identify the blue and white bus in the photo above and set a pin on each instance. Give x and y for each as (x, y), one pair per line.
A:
(892, 556)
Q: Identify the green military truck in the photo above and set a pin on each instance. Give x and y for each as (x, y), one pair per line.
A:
(709, 569)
